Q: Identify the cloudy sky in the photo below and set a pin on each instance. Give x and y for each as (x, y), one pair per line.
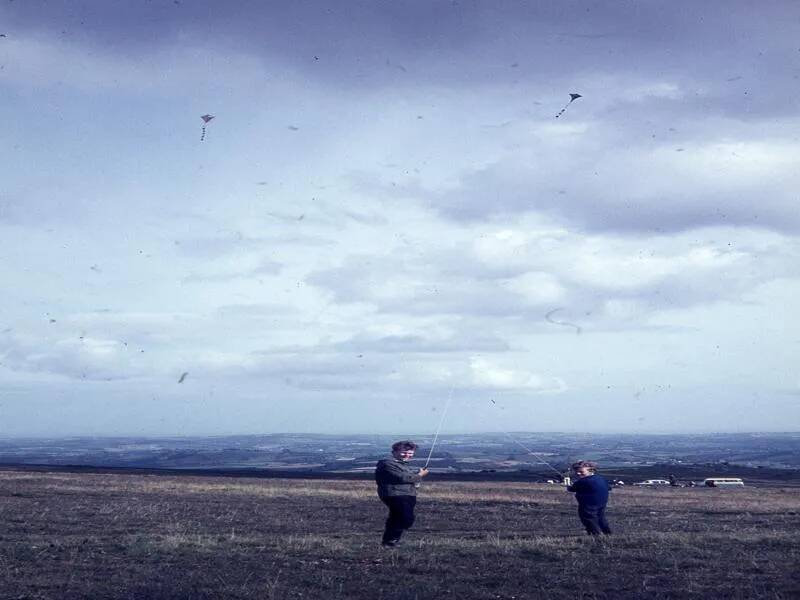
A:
(386, 213)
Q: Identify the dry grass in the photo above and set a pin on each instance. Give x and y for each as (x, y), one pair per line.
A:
(99, 536)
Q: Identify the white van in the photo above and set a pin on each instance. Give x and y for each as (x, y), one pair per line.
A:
(723, 481)
(652, 482)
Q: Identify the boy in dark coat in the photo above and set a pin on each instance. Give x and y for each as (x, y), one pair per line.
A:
(397, 489)
(591, 492)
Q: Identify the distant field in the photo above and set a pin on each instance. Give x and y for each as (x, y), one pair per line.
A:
(66, 535)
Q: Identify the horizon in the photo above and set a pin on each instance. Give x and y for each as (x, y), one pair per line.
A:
(400, 436)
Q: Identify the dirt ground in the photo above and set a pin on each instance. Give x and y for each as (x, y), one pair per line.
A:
(97, 536)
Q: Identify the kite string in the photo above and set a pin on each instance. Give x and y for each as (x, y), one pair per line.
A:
(439, 428)
(531, 452)
(524, 447)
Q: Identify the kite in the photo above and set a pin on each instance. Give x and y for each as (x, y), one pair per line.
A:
(206, 119)
(572, 98)
(183, 376)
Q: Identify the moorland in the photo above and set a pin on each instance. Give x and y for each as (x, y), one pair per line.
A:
(116, 535)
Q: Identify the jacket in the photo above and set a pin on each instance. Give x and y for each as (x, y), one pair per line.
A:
(395, 478)
(591, 490)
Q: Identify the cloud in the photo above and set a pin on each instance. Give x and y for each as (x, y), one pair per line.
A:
(524, 272)
(82, 359)
(489, 374)
(49, 61)
(363, 44)
(635, 188)
(241, 266)
(423, 342)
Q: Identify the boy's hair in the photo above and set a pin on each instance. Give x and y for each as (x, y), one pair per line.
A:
(592, 466)
(403, 445)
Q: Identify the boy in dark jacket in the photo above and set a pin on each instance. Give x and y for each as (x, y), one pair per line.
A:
(397, 489)
(591, 492)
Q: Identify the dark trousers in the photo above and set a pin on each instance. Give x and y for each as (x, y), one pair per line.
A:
(401, 516)
(594, 519)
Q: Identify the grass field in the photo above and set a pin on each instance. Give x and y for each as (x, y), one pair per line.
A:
(66, 536)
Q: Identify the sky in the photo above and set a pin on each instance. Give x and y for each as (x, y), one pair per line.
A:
(387, 228)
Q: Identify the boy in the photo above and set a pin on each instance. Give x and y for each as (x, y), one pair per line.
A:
(591, 492)
(397, 489)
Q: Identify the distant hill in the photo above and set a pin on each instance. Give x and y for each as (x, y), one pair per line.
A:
(466, 453)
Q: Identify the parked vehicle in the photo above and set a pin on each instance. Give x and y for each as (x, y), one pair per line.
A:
(652, 482)
(723, 482)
